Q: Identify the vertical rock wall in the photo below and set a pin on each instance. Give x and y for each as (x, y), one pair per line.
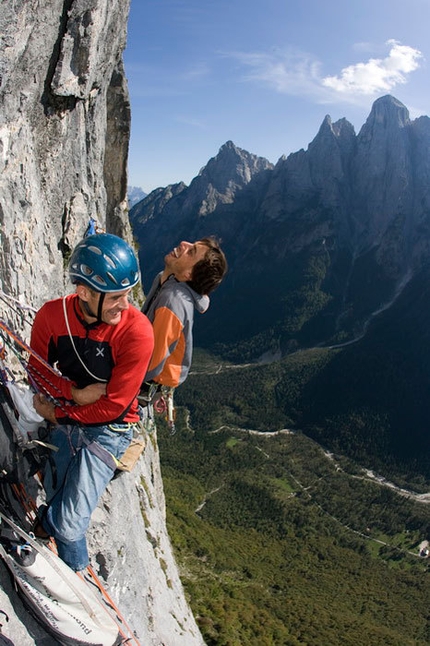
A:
(64, 131)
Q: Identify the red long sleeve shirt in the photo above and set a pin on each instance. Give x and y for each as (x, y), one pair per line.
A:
(118, 354)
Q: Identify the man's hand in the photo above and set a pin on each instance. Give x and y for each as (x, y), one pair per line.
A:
(89, 394)
(44, 408)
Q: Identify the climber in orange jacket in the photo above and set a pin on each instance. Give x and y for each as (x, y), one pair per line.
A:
(192, 270)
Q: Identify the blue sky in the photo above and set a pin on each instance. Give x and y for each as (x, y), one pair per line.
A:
(262, 73)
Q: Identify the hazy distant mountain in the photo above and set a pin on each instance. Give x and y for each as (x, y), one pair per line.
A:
(135, 194)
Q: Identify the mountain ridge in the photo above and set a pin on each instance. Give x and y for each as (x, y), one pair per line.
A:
(330, 248)
(350, 210)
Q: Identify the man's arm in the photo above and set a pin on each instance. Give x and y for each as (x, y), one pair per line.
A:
(81, 396)
(89, 394)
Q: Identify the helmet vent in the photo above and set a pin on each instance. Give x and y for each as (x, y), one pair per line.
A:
(112, 278)
(110, 261)
(95, 250)
(86, 271)
(99, 280)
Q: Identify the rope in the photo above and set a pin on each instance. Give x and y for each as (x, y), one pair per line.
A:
(26, 347)
(36, 378)
(108, 600)
(6, 297)
(20, 309)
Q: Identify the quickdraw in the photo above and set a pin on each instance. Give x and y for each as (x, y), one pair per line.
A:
(161, 399)
(163, 403)
(171, 411)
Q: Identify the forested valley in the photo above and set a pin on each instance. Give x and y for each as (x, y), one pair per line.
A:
(281, 541)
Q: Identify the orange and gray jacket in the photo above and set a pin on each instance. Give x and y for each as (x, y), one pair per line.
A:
(170, 308)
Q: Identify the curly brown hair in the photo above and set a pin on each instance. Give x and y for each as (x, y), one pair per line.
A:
(209, 272)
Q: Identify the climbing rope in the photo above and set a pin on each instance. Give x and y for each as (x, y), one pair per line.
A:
(37, 379)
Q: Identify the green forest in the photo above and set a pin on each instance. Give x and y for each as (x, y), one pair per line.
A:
(282, 539)
(279, 543)
(367, 401)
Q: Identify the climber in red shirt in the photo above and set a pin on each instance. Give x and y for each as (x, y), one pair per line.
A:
(101, 345)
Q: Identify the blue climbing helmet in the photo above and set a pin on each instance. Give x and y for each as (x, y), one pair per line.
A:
(104, 263)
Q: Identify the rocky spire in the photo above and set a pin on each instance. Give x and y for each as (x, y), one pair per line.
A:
(387, 112)
(382, 168)
(222, 177)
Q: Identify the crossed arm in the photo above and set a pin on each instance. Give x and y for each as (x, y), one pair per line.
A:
(81, 396)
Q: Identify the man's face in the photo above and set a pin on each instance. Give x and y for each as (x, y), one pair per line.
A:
(181, 260)
(114, 304)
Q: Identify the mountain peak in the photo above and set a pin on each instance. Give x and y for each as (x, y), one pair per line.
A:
(232, 166)
(339, 134)
(389, 110)
(228, 145)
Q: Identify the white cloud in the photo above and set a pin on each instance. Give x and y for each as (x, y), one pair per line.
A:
(288, 71)
(378, 74)
(291, 71)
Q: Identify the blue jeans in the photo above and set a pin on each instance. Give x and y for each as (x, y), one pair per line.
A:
(83, 467)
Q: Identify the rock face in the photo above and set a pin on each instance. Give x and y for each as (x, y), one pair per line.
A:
(332, 233)
(130, 543)
(64, 131)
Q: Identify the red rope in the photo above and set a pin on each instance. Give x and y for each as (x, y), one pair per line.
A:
(26, 347)
(110, 601)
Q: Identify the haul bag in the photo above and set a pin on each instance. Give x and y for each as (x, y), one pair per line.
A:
(59, 599)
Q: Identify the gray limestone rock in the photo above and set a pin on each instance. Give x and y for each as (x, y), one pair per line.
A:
(64, 128)
(64, 132)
